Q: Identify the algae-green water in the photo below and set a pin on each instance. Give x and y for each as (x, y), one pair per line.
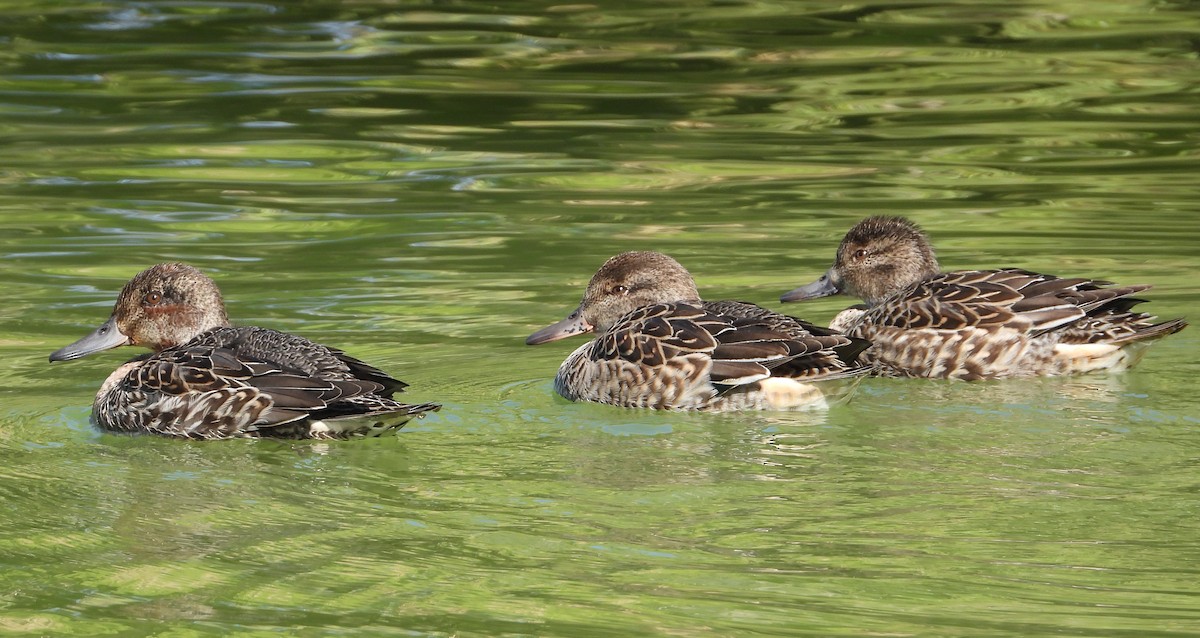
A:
(424, 184)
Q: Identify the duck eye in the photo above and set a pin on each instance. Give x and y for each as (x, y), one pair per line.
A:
(861, 253)
(152, 298)
(620, 290)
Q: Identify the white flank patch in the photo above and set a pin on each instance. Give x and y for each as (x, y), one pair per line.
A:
(790, 394)
(1085, 350)
(1086, 357)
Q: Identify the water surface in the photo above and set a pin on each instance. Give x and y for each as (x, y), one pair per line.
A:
(423, 185)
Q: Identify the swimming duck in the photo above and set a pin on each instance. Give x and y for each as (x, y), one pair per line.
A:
(209, 380)
(660, 346)
(976, 324)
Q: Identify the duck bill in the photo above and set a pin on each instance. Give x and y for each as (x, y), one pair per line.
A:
(105, 337)
(572, 325)
(826, 286)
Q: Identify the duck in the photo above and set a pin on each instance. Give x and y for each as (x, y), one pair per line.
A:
(207, 379)
(659, 346)
(976, 324)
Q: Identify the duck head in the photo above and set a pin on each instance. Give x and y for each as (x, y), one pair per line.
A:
(161, 307)
(624, 283)
(878, 257)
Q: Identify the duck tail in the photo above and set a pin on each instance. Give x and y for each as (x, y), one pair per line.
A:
(851, 351)
(1155, 331)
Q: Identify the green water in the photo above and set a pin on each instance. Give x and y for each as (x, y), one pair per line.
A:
(424, 184)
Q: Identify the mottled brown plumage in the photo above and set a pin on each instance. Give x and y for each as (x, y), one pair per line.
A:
(659, 346)
(977, 324)
(207, 380)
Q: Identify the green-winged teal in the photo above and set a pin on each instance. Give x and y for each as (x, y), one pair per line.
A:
(209, 380)
(976, 324)
(659, 346)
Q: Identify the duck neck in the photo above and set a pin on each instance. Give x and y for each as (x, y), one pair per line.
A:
(188, 326)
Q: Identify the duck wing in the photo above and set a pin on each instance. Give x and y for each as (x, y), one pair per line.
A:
(819, 353)
(294, 352)
(1021, 300)
(742, 343)
(231, 382)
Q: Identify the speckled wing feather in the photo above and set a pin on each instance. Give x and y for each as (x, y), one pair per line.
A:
(743, 342)
(1017, 299)
(1116, 326)
(247, 382)
(297, 353)
(981, 324)
(818, 353)
(748, 312)
(651, 335)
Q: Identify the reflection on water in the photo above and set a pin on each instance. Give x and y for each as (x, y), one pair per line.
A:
(423, 186)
